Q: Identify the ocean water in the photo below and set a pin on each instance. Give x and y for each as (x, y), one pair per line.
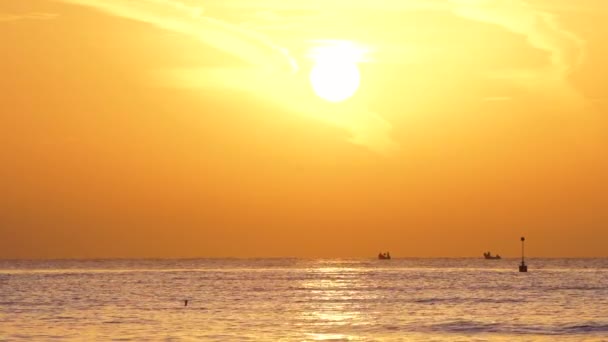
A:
(304, 300)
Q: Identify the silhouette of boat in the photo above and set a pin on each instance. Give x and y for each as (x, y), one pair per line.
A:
(384, 256)
(488, 255)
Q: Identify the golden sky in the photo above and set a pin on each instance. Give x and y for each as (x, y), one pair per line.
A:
(165, 128)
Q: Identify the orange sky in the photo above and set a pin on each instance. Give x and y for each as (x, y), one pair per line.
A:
(165, 128)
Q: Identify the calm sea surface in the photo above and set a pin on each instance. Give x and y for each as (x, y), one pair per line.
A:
(299, 299)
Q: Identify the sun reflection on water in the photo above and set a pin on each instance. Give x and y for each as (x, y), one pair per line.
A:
(333, 305)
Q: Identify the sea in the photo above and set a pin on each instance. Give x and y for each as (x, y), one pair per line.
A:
(468, 299)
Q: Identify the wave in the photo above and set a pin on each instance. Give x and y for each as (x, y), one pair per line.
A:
(592, 327)
(463, 326)
(460, 300)
(576, 288)
(472, 327)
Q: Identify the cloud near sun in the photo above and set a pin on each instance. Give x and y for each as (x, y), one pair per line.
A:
(277, 69)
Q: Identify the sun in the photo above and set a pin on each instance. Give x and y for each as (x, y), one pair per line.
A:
(335, 76)
(333, 81)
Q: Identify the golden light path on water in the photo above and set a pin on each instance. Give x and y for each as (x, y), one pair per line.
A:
(335, 297)
(304, 299)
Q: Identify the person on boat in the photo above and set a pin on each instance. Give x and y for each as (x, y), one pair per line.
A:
(388, 255)
(380, 255)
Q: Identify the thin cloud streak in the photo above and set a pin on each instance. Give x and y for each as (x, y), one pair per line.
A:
(543, 32)
(176, 17)
(4, 17)
(273, 70)
(263, 78)
(534, 20)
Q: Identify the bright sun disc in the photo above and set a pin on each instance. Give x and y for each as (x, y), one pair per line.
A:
(335, 76)
(335, 81)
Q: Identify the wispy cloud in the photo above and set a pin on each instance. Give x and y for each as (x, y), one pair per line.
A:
(175, 16)
(542, 30)
(272, 72)
(27, 16)
(536, 20)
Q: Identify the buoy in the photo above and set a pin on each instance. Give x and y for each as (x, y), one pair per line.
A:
(185, 302)
(523, 267)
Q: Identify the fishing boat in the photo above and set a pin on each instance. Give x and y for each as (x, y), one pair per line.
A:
(488, 255)
(384, 256)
